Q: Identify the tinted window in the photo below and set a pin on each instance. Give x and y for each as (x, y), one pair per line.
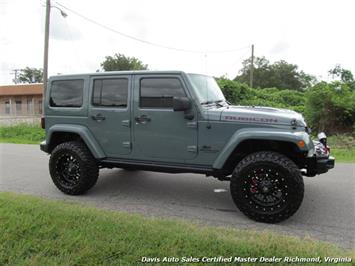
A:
(159, 92)
(110, 92)
(67, 93)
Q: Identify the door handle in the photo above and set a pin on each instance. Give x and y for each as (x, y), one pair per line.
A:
(98, 117)
(143, 119)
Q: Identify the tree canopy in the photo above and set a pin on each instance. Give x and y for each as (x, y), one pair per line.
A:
(121, 62)
(281, 75)
(345, 75)
(30, 75)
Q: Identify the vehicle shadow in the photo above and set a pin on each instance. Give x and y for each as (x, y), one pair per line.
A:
(185, 189)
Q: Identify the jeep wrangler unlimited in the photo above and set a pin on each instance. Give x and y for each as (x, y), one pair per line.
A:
(173, 122)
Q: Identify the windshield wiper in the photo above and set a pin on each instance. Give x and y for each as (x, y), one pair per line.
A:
(218, 103)
(207, 102)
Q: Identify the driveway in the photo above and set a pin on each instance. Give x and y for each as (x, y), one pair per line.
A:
(327, 212)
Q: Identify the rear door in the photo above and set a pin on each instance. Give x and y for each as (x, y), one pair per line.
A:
(159, 132)
(109, 114)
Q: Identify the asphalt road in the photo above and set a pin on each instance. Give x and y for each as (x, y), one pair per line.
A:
(327, 212)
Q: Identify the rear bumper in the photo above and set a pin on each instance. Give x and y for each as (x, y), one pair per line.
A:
(43, 146)
(319, 165)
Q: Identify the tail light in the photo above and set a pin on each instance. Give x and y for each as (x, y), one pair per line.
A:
(43, 122)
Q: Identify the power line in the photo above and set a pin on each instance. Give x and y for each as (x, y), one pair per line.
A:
(145, 41)
(240, 59)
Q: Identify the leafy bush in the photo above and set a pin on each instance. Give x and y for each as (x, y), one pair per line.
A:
(326, 106)
(331, 107)
(241, 94)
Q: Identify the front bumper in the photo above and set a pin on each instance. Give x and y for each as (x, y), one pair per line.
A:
(44, 147)
(319, 165)
(321, 161)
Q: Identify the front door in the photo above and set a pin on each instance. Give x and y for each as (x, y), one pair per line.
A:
(160, 133)
(109, 114)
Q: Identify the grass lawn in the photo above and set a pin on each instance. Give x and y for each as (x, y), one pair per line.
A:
(22, 133)
(344, 155)
(35, 231)
(342, 146)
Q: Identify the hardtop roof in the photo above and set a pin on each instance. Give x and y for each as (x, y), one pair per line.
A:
(112, 73)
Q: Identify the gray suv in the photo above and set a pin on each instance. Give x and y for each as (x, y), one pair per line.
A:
(174, 122)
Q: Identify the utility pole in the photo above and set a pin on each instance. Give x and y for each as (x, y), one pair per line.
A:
(45, 56)
(252, 66)
(15, 80)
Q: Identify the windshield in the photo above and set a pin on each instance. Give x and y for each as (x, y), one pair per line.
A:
(206, 88)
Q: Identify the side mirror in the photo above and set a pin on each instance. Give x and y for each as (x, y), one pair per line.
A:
(181, 104)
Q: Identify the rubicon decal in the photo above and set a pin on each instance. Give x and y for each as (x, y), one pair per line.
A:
(250, 119)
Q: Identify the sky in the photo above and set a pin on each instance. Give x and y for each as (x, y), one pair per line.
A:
(215, 36)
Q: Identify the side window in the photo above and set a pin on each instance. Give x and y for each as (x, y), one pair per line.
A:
(159, 92)
(110, 92)
(67, 93)
(7, 107)
(18, 106)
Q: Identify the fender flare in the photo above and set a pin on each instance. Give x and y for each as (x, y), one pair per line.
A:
(261, 134)
(84, 134)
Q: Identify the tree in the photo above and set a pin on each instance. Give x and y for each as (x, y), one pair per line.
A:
(344, 74)
(234, 92)
(280, 75)
(122, 62)
(30, 75)
(330, 107)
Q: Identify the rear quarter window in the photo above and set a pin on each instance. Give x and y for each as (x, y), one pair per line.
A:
(67, 93)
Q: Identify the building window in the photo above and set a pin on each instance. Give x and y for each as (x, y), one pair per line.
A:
(7, 107)
(110, 92)
(159, 92)
(18, 107)
(67, 93)
(40, 106)
(29, 106)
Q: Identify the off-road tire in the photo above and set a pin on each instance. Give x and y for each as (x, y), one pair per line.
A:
(87, 167)
(292, 184)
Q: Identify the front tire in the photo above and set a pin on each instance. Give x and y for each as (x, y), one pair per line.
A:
(73, 168)
(267, 187)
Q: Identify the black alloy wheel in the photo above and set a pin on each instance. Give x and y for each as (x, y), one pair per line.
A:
(68, 169)
(267, 187)
(73, 168)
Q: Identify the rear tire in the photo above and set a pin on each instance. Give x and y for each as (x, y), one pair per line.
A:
(73, 168)
(267, 187)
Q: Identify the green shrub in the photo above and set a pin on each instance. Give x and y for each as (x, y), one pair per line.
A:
(241, 94)
(331, 107)
(326, 106)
